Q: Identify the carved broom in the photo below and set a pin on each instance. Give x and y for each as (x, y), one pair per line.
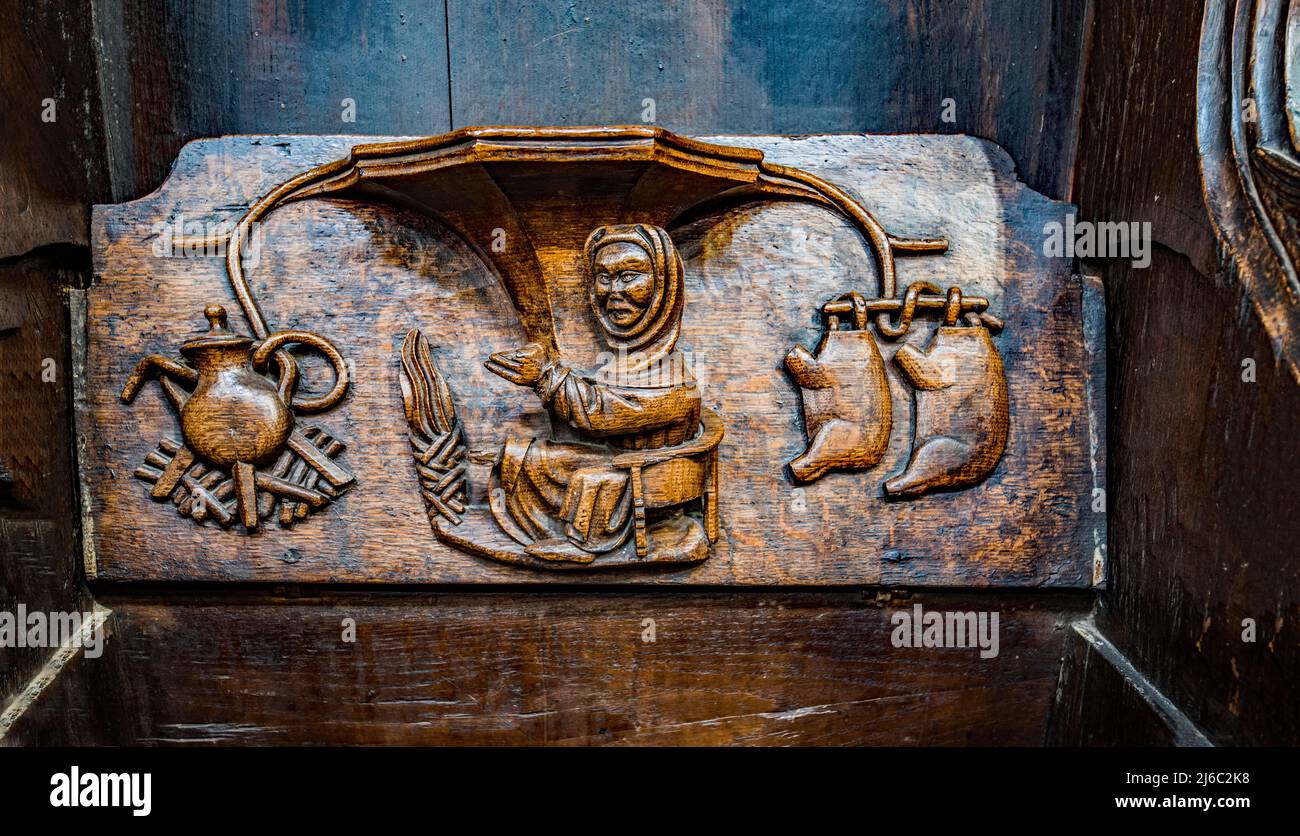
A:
(437, 437)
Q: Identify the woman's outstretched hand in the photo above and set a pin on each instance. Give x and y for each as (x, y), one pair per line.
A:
(521, 366)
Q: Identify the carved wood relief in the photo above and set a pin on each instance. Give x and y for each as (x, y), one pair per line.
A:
(239, 436)
(1248, 135)
(579, 349)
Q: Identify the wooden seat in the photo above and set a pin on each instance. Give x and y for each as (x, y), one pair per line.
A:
(666, 477)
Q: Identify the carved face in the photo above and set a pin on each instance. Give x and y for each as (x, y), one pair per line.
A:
(624, 282)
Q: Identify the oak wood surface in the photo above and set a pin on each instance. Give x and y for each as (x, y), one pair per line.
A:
(39, 566)
(1098, 704)
(1005, 70)
(557, 668)
(1203, 493)
(177, 70)
(156, 72)
(52, 143)
(364, 274)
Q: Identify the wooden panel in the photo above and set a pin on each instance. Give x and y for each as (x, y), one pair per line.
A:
(51, 171)
(364, 274)
(1137, 147)
(176, 70)
(52, 151)
(169, 77)
(1203, 489)
(1010, 67)
(554, 668)
(39, 568)
(1101, 700)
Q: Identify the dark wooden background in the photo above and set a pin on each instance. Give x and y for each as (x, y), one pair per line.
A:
(1093, 99)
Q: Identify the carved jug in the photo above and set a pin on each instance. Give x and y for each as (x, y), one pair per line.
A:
(235, 414)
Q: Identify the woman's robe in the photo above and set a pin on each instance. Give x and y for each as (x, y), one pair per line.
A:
(554, 490)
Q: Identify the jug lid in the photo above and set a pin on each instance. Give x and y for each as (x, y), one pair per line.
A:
(217, 335)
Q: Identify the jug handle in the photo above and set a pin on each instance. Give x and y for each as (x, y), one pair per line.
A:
(278, 340)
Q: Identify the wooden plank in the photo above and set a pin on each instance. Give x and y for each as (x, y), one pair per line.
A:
(39, 566)
(1029, 524)
(1203, 462)
(1204, 492)
(175, 70)
(52, 154)
(1137, 152)
(1102, 700)
(554, 668)
(1010, 68)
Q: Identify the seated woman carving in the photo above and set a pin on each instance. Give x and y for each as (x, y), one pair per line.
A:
(563, 500)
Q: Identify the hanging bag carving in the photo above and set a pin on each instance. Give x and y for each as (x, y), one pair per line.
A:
(961, 408)
(846, 406)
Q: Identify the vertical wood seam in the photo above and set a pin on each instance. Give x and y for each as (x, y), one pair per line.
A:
(446, 33)
(1071, 163)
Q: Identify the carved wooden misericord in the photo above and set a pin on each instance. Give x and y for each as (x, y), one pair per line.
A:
(667, 402)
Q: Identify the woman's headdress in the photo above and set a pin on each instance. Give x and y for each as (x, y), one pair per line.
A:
(659, 325)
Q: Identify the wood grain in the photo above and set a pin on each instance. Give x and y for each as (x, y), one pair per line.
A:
(364, 274)
(1009, 67)
(39, 565)
(52, 151)
(1151, 174)
(1203, 490)
(554, 668)
(1102, 701)
(177, 70)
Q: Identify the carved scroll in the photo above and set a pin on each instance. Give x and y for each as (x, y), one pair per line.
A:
(1248, 134)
